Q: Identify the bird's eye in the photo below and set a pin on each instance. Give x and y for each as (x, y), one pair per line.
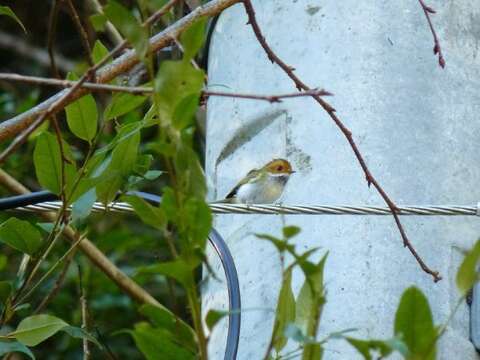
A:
(279, 168)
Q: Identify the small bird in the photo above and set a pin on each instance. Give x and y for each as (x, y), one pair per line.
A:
(262, 186)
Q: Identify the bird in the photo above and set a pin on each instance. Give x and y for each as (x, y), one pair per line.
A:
(261, 186)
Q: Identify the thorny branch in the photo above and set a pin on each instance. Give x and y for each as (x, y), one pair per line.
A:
(371, 180)
(437, 49)
(149, 90)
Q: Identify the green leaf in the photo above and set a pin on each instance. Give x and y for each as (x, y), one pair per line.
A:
(184, 112)
(165, 319)
(280, 244)
(290, 231)
(98, 22)
(198, 217)
(414, 324)
(177, 269)
(79, 333)
(128, 25)
(169, 204)
(213, 317)
(285, 312)
(3, 261)
(190, 176)
(7, 347)
(5, 290)
(82, 115)
(312, 352)
(37, 328)
(82, 207)
(467, 274)
(149, 214)
(310, 299)
(152, 174)
(365, 347)
(192, 39)
(175, 81)
(121, 163)
(143, 164)
(20, 235)
(121, 104)
(99, 50)
(48, 163)
(5, 10)
(157, 344)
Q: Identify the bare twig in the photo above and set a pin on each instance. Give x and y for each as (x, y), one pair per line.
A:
(124, 63)
(58, 284)
(301, 86)
(28, 51)
(269, 98)
(111, 30)
(81, 32)
(85, 314)
(52, 25)
(437, 49)
(68, 84)
(149, 90)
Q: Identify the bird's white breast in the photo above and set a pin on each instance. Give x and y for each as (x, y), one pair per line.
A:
(265, 191)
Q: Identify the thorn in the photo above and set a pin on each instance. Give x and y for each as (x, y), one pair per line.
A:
(324, 93)
(430, 10)
(441, 61)
(291, 68)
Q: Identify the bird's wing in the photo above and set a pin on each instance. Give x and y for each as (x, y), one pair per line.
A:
(250, 176)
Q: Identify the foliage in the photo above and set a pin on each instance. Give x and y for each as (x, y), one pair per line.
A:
(107, 144)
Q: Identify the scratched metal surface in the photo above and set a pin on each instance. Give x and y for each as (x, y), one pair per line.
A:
(416, 124)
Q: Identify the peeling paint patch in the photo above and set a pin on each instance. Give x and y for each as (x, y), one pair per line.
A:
(302, 160)
(312, 10)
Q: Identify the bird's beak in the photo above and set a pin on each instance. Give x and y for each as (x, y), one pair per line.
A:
(292, 172)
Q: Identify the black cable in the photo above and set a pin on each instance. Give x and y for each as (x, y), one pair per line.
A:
(13, 202)
(220, 246)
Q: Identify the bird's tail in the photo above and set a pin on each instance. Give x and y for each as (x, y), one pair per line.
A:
(224, 201)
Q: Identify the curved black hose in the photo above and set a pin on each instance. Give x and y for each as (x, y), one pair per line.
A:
(220, 246)
(233, 287)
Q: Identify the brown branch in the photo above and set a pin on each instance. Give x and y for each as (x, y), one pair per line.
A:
(10, 128)
(29, 51)
(269, 98)
(150, 90)
(130, 287)
(85, 314)
(111, 30)
(437, 49)
(68, 84)
(301, 86)
(81, 32)
(52, 25)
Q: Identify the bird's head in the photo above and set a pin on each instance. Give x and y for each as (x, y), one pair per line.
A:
(279, 167)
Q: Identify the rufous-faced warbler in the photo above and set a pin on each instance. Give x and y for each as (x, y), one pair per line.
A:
(262, 186)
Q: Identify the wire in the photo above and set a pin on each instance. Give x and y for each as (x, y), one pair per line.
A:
(221, 208)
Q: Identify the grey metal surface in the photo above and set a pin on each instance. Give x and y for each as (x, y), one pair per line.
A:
(416, 124)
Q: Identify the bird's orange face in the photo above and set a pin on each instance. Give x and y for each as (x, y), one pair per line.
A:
(279, 166)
